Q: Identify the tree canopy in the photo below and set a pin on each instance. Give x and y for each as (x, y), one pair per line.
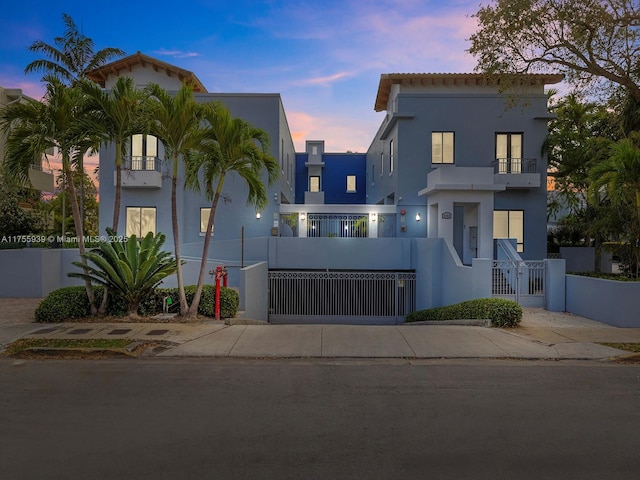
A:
(71, 56)
(591, 41)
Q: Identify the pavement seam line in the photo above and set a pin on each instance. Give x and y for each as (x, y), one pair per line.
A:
(244, 329)
(508, 354)
(406, 341)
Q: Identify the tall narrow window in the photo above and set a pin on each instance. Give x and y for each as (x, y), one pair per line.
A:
(509, 224)
(351, 183)
(140, 221)
(314, 184)
(442, 147)
(381, 163)
(144, 152)
(205, 212)
(392, 157)
(509, 152)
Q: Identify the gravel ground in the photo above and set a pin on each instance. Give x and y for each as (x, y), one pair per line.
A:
(18, 310)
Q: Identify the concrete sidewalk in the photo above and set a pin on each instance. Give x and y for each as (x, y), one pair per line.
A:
(542, 335)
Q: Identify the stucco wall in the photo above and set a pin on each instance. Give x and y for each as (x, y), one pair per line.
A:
(608, 301)
(254, 291)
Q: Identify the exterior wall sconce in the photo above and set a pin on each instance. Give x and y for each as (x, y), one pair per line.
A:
(303, 216)
(418, 217)
(258, 215)
(374, 216)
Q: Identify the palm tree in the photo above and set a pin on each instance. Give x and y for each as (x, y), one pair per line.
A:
(71, 57)
(619, 174)
(132, 269)
(230, 145)
(35, 127)
(175, 121)
(120, 114)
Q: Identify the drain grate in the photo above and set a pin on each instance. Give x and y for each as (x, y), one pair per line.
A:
(79, 331)
(119, 331)
(158, 332)
(45, 330)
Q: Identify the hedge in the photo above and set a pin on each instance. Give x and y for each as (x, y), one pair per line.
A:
(72, 302)
(501, 312)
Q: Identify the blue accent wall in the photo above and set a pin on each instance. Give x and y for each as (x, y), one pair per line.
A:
(334, 182)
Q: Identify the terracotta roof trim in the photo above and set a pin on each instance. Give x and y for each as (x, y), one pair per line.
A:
(453, 79)
(99, 75)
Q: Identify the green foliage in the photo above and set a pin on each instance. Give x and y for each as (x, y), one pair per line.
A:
(229, 300)
(590, 41)
(63, 304)
(70, 303)
(15, 220)
(501, 312)
(130, 270)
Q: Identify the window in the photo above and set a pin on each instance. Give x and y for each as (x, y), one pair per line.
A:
(140, 221)
(509, 224)
(381, 163)
(144, 152)
(314, 150)
(391, 157)
(204, 219)
(442, 147)
(314, 184)
(351, 183)
(509, 152)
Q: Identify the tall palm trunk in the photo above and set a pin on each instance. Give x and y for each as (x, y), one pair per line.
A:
(176, 240)
(116, 201)
(77, 220)
(195, 303)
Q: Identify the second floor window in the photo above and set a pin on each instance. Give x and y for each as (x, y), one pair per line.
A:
(442, 147)
(314, 184)
(509, 152)
(205, 212)
(351, 183)
(144, 152)
(392, 157)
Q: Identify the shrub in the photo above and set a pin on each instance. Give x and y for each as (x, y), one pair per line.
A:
(63, 304)
(71, 302)
(229, 300)
(501, 312)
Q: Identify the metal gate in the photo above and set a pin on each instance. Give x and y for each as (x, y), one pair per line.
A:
(522, 281)
(341, 297)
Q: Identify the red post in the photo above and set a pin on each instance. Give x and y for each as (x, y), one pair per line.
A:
(218, 275)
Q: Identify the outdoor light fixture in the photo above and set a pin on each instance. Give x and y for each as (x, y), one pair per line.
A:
(374, 215)
(418, 217)
(303, 216)
(258, 215)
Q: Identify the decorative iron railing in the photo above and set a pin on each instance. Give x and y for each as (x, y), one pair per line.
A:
(515, 166)
(142, 163)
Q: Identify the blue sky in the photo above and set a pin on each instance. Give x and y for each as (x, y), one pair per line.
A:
(324, 57)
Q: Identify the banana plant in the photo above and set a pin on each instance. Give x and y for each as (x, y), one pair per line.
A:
(130, 269)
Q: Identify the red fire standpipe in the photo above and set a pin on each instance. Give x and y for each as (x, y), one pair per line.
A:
(218, 275)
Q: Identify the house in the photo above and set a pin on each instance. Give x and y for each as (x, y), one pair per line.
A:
(40, 178)
(456, 164)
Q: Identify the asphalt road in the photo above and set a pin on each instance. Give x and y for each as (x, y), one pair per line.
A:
(235, 419)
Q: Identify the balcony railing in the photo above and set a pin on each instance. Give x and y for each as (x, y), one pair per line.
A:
(340, 225)
(515, 166)
(142, 163)
(141, 172)
(328, 225)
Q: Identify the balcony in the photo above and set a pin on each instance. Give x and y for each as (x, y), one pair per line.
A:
(516, 172)
(337, 221)
(141, 172)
